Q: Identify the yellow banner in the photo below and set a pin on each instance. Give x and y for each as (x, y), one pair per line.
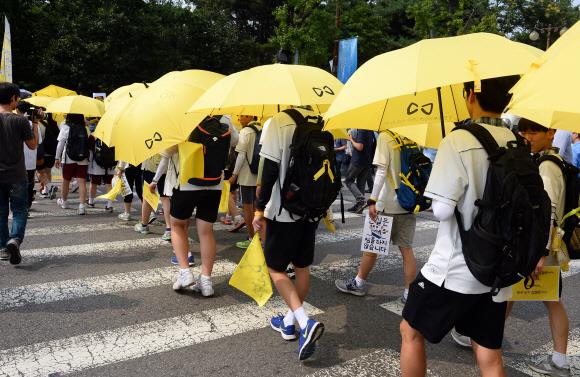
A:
(545, 288)
(150, 197)
(190, 161)
(6, 58)
(115, 191)
(251, 275)
(225, 198)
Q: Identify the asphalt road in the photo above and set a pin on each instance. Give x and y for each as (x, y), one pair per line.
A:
(93, 298)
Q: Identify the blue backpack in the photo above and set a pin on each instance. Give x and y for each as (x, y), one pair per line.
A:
(415, 172)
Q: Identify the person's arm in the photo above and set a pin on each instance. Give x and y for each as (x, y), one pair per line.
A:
(377, 187)
(161, 169)
(356, 145)
(442, 211)
(238, 166)
(270, 175)
(341, 148)
(59, 150)
(33, 143)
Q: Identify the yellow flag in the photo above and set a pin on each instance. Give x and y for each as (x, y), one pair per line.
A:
(328, 221)
(251, 275)
(115, 191)
(225, 199)
(190, 161)
(151, 198)
(545, 288)
(6, 57)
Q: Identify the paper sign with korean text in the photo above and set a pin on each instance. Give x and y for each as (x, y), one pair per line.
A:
(377, 235)
(545, 288)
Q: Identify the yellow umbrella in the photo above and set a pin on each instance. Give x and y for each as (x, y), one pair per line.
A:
(546, 94)
(41, 101)
(366, 100)
(426, 135)
(87, 106)
(125, 91)
(54, 91)
(265, 90)
(154, 120)
(107, 122)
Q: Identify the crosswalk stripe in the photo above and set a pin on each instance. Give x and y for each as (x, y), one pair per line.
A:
(66, 229)
(97, 285)
(111, 346)
(384, 362)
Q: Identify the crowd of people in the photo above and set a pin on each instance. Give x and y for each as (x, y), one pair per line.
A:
(261, 163)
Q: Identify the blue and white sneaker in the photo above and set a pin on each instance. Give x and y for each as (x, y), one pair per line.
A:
(287, 332)
(189, 259)
(308, 338)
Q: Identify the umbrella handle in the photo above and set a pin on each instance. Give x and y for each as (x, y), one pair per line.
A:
(441, 111)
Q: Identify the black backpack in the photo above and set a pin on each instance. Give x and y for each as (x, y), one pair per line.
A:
(312, 180)
(256, 151)
(571, 222)
(104, 155)
(415, 172)
(510, 231)
(77, 144)
(215, 138)
(50, 137)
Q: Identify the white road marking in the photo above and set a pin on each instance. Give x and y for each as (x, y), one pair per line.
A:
(66, 229)
(112, 346)
(97, 285)
(384, 362)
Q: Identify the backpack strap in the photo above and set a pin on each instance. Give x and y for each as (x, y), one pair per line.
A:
(296, 116)
(255, 141)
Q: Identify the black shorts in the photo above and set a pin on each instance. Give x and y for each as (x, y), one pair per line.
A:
(248, 194)
(48, 162)
(289, 243)
(434, 311)
(206, 203)
(148, 177)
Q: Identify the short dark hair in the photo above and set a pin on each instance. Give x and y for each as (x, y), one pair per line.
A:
(7, 91)
(75, 119)
(526, 125)
(494, 96)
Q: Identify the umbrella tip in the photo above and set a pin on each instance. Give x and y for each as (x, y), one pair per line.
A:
(146, 86)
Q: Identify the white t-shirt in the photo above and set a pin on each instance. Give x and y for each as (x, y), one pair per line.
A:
(246, 140)
(554, 185)
(172, 177)
(389, 157)
(63, 136)
(276, 140)
(96, 169)
(458, 179)
(30, 154)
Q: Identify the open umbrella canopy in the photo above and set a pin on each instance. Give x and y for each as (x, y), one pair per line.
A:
(424, 66)
(265, 90)
(54, 91)
(107, 122)
(87, 106)
(40, 101)
(547, 93)
(426, 135)
(130, 90)
(154, 120)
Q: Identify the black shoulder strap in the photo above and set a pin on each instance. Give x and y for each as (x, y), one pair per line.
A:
(253, 128)
(295, 115)
(555, 160)
(482, 135)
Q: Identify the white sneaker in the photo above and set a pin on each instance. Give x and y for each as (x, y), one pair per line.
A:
(139, 228)
(62, 203)
(124, 216)
(462, 340)
(203, 285)
(184, 279)
(81, 209)
(166, 236)
(152, 218)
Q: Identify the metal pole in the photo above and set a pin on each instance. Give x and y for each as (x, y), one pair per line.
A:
(548, 37)
(441, 111)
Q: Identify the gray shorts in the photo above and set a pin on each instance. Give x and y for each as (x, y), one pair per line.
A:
(248, 194)
(403, 230)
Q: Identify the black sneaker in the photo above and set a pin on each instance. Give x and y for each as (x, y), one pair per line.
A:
(4, 254)
(13, 248)
(357, 208)
(52, 192)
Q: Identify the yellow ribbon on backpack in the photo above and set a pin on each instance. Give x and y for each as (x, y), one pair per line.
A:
(190, 161)
(324, 169)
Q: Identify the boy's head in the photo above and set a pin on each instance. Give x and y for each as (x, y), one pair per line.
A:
(494, 96)
(539, 137)
(245, 119)
(9, 94)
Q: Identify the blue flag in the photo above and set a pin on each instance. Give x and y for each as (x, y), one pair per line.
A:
(347, 58)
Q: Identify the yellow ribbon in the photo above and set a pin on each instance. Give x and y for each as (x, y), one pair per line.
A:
(324, 169)
(574, 212)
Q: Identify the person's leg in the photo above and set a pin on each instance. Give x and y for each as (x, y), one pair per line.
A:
(361, 179)
(207, 246)
(93, 191)
(559, 325)
(82, 190)
(413, 357)
(65, 189)
(351, 175)
(19, 208)
(179, 241)
(166, 204)
(248, 217)
(30, 187)
(4, 211)
(409, 265)
(287, 289)
(146, 210)
(489, 361)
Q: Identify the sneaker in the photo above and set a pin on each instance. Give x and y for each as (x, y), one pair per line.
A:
(358, 207)
(13, 249)
(152, 218)
(462, 340)
(545, 365)
(176, 263)
(139, 228)
(227, 220)
(4, 254)
(243, 244)
(237, 227)
(403, 299)
(124, 216)
(290, 272)
(287, 332)
(350, 286)
(184, 279)
(205, 286)
(75, 186)
(308, 338)
(62, 203)
(109, 209)
(91, 205)
(52, 192)
(81, 209)
(166, 236)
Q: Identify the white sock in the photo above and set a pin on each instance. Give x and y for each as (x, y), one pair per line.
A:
(81, 205)
(289, 318)
(406, 293)
(183, 270)
(359, 282)
(205, 278)
(301, 317)
(91, 200)
(559, 359)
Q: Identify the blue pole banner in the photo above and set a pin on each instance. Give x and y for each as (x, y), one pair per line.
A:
(347, 58)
